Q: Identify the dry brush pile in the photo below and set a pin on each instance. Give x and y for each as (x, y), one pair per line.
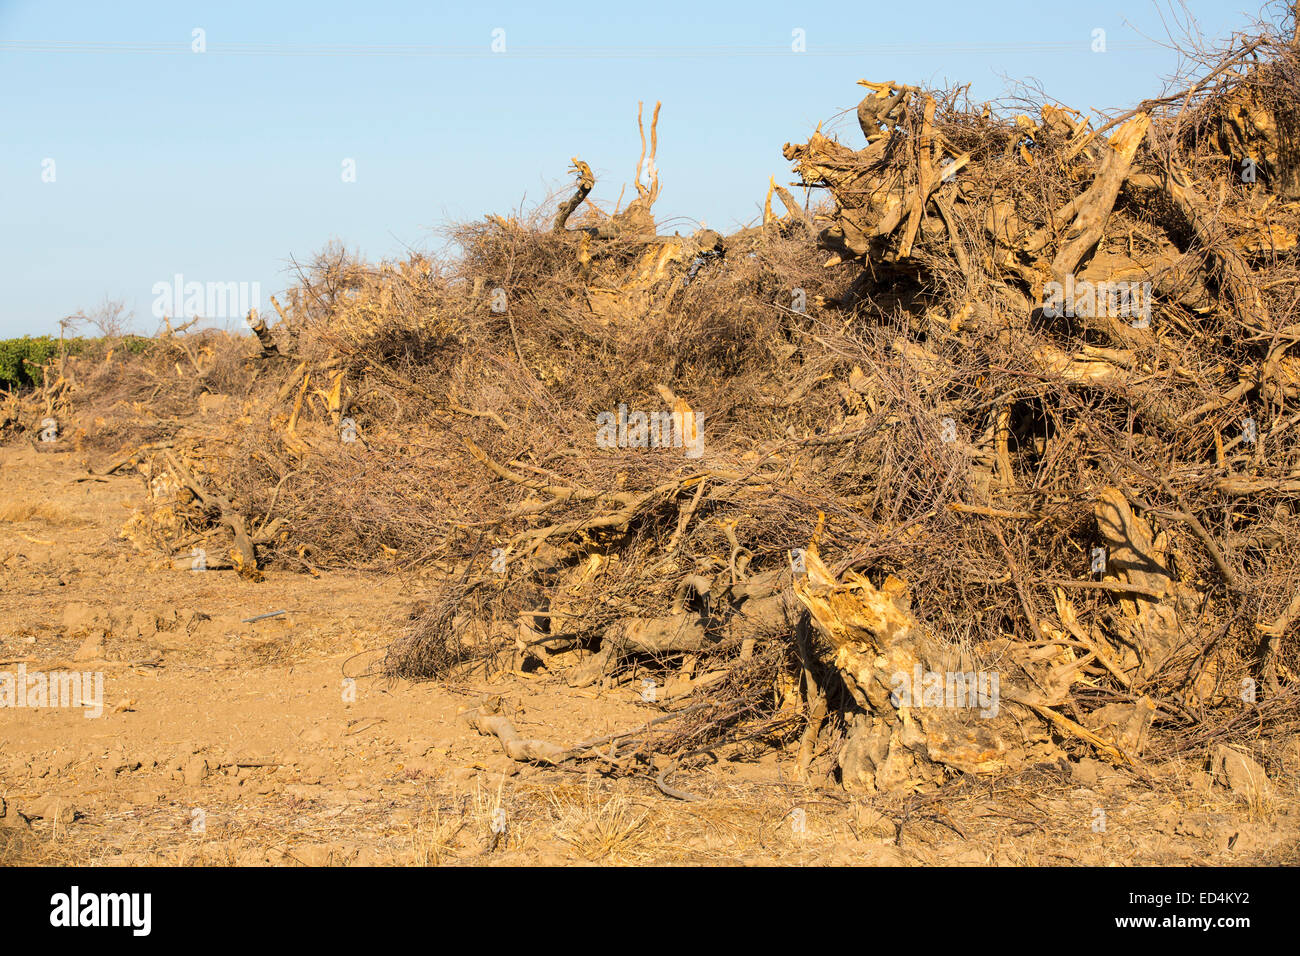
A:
(987, 458)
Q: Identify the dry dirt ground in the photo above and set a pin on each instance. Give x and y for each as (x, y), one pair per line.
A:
(224, 742)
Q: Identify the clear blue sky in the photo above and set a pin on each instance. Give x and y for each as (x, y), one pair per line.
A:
(221, 165)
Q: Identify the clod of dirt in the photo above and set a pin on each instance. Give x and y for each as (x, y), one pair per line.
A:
(92, 648)
(78, 617)
(52, 808)
(1240, 773)
(1085, 772)
(1094, 774)
(1126, 724)
(10, 818)
(196, 771)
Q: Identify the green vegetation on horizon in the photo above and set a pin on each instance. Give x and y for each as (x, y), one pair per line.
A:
(20, 359)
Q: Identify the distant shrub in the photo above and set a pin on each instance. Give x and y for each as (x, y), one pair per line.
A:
(16, 353)
(19, 358)
(134, 344)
